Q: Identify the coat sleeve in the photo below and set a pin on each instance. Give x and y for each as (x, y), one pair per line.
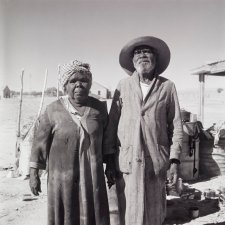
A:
(175, 128)
(41, 143)
(110, 136)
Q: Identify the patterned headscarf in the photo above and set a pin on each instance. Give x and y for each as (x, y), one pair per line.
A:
(73, 67)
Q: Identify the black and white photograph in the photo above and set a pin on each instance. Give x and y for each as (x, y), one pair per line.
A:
(112, 112)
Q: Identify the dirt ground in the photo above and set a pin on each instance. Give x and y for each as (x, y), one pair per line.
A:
(18, 209)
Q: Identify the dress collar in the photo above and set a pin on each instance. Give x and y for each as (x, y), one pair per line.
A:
(68, 105)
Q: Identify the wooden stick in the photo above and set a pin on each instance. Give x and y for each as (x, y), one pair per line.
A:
(19, 120)
(43, 93)
(58, 81)
(21, 101)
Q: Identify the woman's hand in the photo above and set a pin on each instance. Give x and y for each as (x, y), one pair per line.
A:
(110, 174)
(110, 171)
(35, 183)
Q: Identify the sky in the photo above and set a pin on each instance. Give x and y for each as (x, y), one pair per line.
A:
(40, 34)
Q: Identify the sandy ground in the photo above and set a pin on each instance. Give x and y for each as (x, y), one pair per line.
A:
(14, 210)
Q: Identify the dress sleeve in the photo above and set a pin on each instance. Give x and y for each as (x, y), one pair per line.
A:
(41, 143)
(175, 128)
(110, 134)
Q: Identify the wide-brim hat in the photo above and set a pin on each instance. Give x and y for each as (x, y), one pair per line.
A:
(162, 50)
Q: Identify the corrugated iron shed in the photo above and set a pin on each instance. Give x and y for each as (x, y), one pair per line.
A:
(211, 69)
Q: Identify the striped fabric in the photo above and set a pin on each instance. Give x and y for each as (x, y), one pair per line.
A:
(68, 69)
(154, 205)
(147, 134)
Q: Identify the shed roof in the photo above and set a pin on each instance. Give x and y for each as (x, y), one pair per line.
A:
(96, 84)
(213, 69)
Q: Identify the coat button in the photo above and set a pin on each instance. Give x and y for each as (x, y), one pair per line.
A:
(142, 113)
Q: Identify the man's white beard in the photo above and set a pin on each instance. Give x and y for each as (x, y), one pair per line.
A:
(144, 68)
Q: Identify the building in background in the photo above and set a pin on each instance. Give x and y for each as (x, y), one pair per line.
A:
(6, 92)
(100, 91)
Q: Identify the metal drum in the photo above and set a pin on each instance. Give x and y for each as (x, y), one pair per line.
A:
(218, 155)
(212, 158)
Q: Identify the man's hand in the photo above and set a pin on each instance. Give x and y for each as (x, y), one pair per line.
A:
(35, 183)
(173, 174)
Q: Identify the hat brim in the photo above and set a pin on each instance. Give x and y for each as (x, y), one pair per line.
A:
(163, 53)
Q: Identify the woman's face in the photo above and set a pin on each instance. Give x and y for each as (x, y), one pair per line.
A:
(78, 87)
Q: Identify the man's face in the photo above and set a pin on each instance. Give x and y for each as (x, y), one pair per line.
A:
(144, 59)
(78, 87)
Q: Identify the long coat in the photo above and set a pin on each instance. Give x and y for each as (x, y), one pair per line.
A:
(76, 185)
(147, 133)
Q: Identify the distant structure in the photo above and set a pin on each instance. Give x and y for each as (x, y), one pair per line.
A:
(100, 91)
(211, 69)
(52, 91)
(6, 92)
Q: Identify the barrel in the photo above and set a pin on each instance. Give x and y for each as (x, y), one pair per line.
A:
(218, 155)
(189, 167)
(185, 115)
(212, 158)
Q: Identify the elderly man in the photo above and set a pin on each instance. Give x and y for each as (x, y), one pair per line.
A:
(145, 127)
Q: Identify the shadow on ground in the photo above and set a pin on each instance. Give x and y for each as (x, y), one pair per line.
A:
(222, 223)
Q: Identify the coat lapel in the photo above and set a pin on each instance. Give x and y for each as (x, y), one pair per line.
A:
(152, 94)
(151, 89)
(137, 89)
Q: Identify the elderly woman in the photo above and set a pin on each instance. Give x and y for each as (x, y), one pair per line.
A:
(70, 138)
(145, 126)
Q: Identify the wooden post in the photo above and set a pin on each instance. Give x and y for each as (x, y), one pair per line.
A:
(20, 106)
(202, 97)
(43, 93)
(58, 81)
(19, 122)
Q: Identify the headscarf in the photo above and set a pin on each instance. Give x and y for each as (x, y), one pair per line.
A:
(73, 67)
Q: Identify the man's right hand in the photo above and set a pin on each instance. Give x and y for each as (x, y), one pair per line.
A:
(35, 183)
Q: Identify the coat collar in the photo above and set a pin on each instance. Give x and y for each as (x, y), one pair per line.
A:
(137, 89)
